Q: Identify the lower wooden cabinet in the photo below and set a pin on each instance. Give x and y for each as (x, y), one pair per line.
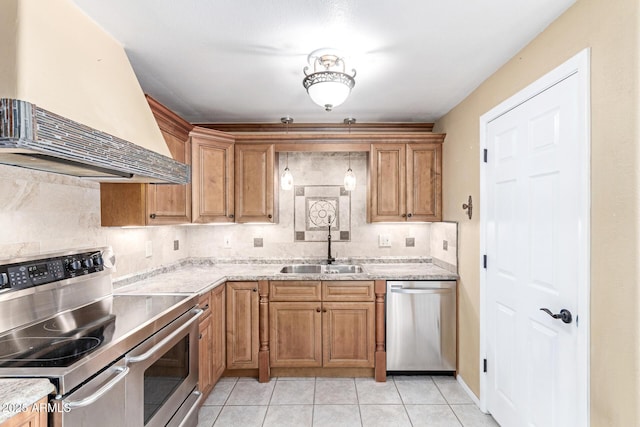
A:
(30, 418)
(242, 325)
(296, 334)
(348, 331)
(218, 335)
(212, 359)
(328, 332)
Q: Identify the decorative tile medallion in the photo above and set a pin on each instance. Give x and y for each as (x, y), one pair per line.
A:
(317, 205)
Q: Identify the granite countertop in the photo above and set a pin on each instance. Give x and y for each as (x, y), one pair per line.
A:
(194, 278)
(19, 395)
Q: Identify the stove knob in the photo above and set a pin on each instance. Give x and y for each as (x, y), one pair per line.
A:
(74, 265)
(87, 262)
(4, 281)
(97, 260)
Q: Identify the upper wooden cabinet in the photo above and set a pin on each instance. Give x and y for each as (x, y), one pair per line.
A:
(254, 183)
(405, 182)
(151, 204)
(212, 176)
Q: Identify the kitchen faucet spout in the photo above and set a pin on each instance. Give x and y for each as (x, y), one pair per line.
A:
(330, 259)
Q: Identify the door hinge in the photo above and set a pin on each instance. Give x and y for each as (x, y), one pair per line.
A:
(484, 261)
(484, 365)
(485, 154)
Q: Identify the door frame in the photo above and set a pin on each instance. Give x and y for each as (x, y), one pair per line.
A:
(578, 65)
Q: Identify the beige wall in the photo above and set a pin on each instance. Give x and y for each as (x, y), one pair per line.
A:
(57, 58)
(610, 29)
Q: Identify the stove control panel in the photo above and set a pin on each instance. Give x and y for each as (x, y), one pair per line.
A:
(34, 273)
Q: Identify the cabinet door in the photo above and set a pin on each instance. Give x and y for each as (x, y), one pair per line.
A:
(218, 338)
(254, 164)
(424, 185)
(169, 203)
(348, 330)
(212, 176)
(204, 353)
(387, 183)
(295, 334)
(242, 325)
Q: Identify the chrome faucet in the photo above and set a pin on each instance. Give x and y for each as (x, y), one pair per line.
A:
(330, 259)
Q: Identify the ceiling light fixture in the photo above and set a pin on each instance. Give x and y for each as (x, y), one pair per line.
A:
(328, 85)
(349, 176)
(286, 179)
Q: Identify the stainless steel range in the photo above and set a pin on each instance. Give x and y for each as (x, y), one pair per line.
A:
(128, 360)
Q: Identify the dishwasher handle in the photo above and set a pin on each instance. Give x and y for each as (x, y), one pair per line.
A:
(401, 290)
(122, 372)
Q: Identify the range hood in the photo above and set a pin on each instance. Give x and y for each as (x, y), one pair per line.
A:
(35, 138)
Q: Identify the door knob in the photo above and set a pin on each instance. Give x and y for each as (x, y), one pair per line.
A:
(565, 315)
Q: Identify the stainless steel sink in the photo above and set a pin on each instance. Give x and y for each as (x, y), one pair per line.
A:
(322, 269)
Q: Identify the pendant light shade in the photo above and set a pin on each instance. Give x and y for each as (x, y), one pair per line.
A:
(349, 178)
(286, 179)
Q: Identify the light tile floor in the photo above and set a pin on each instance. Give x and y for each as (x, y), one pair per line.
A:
(328, 402)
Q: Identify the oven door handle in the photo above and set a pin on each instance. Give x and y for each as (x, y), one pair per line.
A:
(123, 371)
(147, 354)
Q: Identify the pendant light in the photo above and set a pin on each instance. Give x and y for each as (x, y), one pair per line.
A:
(349, 176)
(286, 179)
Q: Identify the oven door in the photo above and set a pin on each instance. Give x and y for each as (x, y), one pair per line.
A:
(98, 403)
(163, 375)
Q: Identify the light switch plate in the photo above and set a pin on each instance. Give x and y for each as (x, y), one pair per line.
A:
(445, 245)
(148, 249)
(176, 245)
(384, 241)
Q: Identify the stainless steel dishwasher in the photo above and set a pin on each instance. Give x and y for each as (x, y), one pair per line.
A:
(421, 326)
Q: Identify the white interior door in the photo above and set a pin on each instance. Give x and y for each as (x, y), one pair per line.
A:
(536, 182)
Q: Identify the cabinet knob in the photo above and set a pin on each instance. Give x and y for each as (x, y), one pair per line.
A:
(324, 310)
(200, 336)
(269, 216)
(152, 216)
(403, 215)
(409, 215)
(230, 215)
(255, 290)
(318, 310)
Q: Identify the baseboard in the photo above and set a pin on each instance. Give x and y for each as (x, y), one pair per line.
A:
(468, 390)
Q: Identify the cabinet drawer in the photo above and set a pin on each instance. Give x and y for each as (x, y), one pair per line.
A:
(294, 290)
(348, 290)
(205, 304)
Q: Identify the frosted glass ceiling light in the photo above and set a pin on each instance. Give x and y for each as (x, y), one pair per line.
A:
(286, 179)
(328, 85)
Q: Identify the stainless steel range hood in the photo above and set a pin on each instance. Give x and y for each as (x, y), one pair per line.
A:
(35, 138)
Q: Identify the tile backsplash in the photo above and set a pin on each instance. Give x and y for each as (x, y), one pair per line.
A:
(42, 212)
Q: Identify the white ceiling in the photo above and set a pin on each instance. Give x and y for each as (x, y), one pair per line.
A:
(242, 60)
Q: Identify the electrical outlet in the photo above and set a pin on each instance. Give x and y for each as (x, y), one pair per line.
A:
(258, 242)
(176, 245)
(410, 242)
(227, 242)
(445, 245)
(384, 241)
(148, 249)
